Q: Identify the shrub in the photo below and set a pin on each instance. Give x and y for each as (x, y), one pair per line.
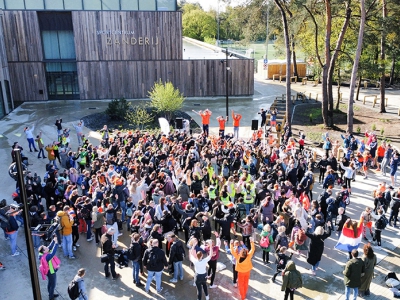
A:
(139, 116)
(166, 99)
(117, 109)
(373, 127)
(358, 129)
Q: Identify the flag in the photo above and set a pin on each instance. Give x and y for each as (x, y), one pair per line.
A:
(164, 125)
(349, 240)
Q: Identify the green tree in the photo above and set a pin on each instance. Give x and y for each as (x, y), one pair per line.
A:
(197, 23)
(166, 99)
(139, 116)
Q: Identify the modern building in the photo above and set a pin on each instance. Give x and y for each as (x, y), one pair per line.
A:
(103, 49)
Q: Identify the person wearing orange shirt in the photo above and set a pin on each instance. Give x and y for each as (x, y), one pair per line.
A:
(205, 119)
(380, 154)
(236, 122)
(221, 120)
(243, 266)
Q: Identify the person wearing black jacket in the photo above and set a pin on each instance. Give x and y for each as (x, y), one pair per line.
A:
(34, 220)
(109, 249)
(225, 224)
(155, 261)
(135, 257)
(86, 212)
(322, 164)
(394, 210)
(167, 221)
(176, 256)
(187, 215)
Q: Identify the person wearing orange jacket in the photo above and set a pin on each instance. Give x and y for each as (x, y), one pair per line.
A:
(236, 122)
(205, 119)
(380, 154)
(221, 120)
(243, 266)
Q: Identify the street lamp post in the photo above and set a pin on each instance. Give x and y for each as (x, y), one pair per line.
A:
(28, 237)
(227, 83)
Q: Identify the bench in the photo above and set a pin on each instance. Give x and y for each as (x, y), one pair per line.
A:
(281, 77)
(370, 96)
(275, 75)
(295, 79)
(316, 97)
(316, 82)
(377, 99)
(304, 81)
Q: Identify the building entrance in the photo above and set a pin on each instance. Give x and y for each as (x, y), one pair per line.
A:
(62, 85)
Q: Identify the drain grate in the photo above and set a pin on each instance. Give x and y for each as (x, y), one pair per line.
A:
(92, 108)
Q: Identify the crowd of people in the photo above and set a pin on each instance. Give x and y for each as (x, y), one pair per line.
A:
(157, 186)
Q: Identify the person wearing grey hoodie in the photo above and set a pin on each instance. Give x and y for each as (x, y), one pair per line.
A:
(184, 190)
(81, 284)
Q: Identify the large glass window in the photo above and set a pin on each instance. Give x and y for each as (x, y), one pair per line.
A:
(110, 5)
(168, 5)
(92, 4)
(73, 4)
(129, 5)
(15, 4)
(58, 44)
(54, 4)
(34, 4)
(62, 81)
(147, 5)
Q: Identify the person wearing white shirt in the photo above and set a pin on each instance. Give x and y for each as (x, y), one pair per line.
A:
(200, 268)
(30, 138)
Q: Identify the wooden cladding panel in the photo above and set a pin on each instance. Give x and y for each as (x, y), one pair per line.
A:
(26, 81)
(156, 35)
(133, 79)
(22, 36)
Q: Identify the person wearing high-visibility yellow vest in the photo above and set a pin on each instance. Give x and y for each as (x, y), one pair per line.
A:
(210, 171)
(212, 192)
(249, 195)
(224, 195)
(231, 189)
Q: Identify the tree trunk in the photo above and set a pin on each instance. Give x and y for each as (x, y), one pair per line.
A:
(288, 63)
(333, 63)
(383, 40)
(325, 68)
(294, 58)
(392, 69)
(358, 87)
(338, 89)
(350, 112)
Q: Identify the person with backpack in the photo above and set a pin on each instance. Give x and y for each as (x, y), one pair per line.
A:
(317, 245)
(329, 181)
(291, 280)
(10, 228)
(176, 257)
(266, 242)
(298, 237)
(77, 288)
(281, 239)
(49, 264)
(154, 261)
(135, 255)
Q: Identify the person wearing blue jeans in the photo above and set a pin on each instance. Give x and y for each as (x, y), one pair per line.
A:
(49, 253)
(30, 138)
(136, 252)
(352, 275)
(13, 242)
(176, 256)
(12, 231)
(154, 260)
(66, 222)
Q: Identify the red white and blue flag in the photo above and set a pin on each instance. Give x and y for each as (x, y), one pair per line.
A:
(349, 239)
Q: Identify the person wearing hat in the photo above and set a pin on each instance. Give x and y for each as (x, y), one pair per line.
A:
(108, 248)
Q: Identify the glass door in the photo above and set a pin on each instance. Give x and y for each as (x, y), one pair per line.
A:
(62, 81)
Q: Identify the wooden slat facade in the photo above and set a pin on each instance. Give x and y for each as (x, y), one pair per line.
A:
(22, 36)
(27, 79)
(156, 35)
(194, 78)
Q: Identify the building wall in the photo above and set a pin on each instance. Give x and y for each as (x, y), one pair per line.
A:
(115, 36)
(114, 54)
(194, 78)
